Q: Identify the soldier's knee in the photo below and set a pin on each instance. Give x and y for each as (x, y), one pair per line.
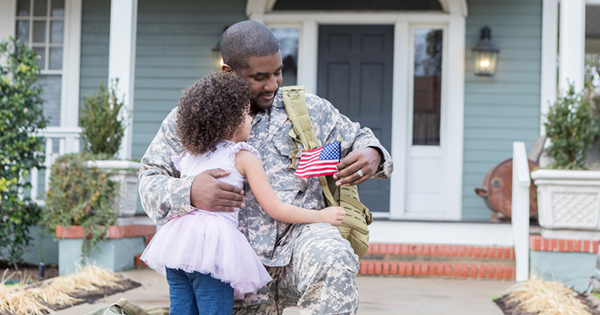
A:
(340, 257)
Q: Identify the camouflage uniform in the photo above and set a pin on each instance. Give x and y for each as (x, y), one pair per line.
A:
(312, 266)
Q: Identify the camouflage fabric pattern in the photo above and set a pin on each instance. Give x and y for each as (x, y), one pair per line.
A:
(164, 195)
(319, 280)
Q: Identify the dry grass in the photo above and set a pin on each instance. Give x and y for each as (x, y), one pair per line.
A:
(57, 291)
(546, 298)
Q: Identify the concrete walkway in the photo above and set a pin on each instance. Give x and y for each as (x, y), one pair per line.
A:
(378, 295)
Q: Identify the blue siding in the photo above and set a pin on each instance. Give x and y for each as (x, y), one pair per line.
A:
(505, 107)
(95, 33)
(174, 49)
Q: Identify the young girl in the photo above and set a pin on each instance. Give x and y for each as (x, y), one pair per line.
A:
(207, 261)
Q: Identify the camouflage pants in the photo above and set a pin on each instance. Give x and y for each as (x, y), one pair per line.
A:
(320, 278)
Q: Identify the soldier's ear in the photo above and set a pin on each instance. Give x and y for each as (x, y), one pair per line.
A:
(226, 68)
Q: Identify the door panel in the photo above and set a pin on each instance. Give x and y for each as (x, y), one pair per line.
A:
(355, 71)
(425, 172)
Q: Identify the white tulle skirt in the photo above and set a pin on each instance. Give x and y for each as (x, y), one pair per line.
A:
(208, 244)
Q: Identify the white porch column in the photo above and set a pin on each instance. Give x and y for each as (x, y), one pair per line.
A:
(121, 60)
(571, 44)
(308, 54)
(8, 10)
(548, 73)
(69, 110)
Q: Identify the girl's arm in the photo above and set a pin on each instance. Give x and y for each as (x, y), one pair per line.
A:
(251, 168)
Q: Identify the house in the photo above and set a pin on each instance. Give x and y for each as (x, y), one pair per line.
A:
(404, 68)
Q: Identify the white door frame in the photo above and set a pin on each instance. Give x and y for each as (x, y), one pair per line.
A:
(452, 20)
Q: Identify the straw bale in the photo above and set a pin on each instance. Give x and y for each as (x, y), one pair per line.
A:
(546, 298)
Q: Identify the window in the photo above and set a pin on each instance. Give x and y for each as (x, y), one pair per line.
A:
(288, 43)
(41, 23)
(427, 91)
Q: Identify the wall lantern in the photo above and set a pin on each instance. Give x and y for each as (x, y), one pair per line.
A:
(485, 54)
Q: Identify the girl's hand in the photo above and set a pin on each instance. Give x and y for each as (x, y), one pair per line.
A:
(333, 215)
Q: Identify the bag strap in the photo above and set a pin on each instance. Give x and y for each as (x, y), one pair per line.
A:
(294, 101)
(295, 106)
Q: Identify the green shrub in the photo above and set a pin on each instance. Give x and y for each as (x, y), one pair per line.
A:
(571, 128)
(102, 127)
(21, 116)
(80, 195)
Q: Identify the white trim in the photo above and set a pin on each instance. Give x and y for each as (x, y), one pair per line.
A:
(121, 61)
(69, 108)
(455, 87)
(549, 54)
(456, 7)
(308, 51)
(592, 2)
(572, 47)
(8, 11)
(354, 18)
(456, 233)
(400, 131)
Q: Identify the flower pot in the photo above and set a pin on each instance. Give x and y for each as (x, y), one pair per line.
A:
(568, 203)
(126, 176)
(116, 252)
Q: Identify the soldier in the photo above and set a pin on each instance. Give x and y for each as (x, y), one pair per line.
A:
(312, 266)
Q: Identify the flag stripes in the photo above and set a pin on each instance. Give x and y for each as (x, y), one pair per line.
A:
(319, 162)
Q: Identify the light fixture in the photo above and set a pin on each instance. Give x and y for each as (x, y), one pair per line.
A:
(485, 54)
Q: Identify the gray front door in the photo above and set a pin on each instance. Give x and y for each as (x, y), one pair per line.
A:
(355, 74)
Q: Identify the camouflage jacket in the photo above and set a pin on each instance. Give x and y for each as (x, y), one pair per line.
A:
(165, 195)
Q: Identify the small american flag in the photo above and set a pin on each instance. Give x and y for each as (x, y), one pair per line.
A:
(319, 162)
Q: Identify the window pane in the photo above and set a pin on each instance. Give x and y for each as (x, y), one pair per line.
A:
(51, 96)
(23, 31)
(56, 31)
(40, 8)
(288, 43)
(427, 86)
(23, 7)
(39, 31)
(58, 8)
(40, 59)
(56, 58)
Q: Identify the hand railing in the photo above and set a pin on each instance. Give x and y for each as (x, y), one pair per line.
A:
(520, 210)
(67, 141)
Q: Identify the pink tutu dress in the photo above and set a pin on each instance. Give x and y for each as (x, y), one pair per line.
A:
(209, 242)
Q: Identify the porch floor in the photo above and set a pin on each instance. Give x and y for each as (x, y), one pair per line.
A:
(378, 295)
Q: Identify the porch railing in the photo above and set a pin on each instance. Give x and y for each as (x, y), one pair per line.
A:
(65, 140)
(520, 210)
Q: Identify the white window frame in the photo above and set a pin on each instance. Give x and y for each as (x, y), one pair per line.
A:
(71, 57)
(453, 19)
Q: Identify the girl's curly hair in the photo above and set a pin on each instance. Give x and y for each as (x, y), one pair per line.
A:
(211, 111)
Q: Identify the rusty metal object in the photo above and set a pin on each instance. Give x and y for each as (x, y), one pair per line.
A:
(496, 189)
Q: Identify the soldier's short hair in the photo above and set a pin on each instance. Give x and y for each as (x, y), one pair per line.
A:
(244, 40)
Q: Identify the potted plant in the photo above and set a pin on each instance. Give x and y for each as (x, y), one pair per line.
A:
(102, 124)
(92, 196)
(569, 193)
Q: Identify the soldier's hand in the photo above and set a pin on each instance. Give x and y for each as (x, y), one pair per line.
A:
(209, 193)
(366, 160)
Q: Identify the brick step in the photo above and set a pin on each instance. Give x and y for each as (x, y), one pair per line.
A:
(439, 270)
(432, 252)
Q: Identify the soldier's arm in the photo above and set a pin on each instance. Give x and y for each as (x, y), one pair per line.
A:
(165, 195)
(360, 147)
